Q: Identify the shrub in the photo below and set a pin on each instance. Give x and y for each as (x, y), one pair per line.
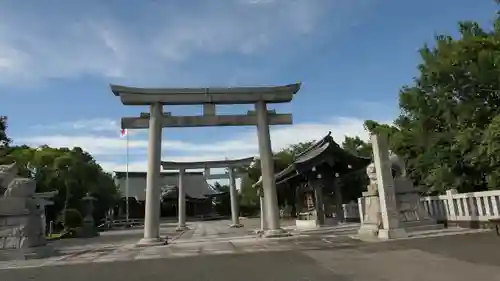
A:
(73, 218)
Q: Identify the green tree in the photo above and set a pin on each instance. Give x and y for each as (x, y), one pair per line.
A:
(4, 140)
(357, 146)
(354, 183)
(282, 159)
(222, 202)
(72, 173)
(447, 127)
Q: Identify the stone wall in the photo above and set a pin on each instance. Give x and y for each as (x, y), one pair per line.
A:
(12, 229)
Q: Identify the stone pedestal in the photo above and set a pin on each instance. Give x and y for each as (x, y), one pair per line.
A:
(148, 242)
(371, 221)
(412, 214)
(392, 233)
(307, 220)
(21, 232)
(181, 228)
(275, 233)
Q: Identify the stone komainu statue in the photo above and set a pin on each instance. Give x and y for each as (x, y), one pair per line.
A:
(19, 214)
(407, 195)
(7, 175)
(398, 169)
(372, 176)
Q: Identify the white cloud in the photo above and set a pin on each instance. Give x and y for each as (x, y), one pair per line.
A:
(96, 124)
(95, 41)
(241, 145)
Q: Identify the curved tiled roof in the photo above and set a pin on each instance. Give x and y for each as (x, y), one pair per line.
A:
(194, 183)
(323, 151)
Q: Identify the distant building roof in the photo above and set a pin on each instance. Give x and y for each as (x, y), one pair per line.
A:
(120, 174)
(194, 183)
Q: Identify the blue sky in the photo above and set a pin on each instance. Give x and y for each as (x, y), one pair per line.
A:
(57, 59)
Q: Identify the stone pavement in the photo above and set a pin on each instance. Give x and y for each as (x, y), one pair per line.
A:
(204, 238)
(212, 251)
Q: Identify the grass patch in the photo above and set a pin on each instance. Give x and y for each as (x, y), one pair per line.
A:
(54, 236)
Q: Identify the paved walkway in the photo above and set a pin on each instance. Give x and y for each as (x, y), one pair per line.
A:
(204, 238)
(212, 251)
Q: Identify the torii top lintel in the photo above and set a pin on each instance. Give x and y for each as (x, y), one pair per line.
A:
(213, 95)
(168, 165)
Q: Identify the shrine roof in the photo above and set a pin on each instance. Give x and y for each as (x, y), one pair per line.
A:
(171, 193)
(325, 151)
(195, 184)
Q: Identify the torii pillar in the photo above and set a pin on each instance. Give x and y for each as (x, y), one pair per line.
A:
(181, 194)
(235, 204)
(152, 208)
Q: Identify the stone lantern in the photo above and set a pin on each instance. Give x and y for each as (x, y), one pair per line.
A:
(89, 228)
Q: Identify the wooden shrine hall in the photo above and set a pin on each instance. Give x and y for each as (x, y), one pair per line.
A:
(312, 176)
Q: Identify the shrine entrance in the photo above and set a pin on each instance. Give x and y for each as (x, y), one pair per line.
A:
(156, 119)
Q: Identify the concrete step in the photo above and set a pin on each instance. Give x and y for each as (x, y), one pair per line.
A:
(424, 227)
(418, 223)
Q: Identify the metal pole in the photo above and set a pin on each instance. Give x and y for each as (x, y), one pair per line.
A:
(126, 181)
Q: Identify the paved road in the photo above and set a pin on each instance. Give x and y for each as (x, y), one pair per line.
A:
(457, 258)
(205, 254)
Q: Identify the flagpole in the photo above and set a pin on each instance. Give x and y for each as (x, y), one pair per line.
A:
(126, 181)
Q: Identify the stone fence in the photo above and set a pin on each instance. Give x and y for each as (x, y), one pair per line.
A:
(351, 212)
(472, 209)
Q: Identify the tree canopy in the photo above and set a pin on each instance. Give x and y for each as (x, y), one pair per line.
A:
(448, 130)
(282, 159)
(448, 126)
(71, 172)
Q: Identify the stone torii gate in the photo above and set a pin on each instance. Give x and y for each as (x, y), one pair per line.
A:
(207, 165)
(156, 119)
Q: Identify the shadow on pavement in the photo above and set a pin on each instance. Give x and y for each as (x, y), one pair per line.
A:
(480, 248)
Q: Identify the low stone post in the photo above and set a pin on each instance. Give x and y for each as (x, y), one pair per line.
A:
(361, 209)
(181, 194)
(235, 204)
(263, 223)
(452, 215)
